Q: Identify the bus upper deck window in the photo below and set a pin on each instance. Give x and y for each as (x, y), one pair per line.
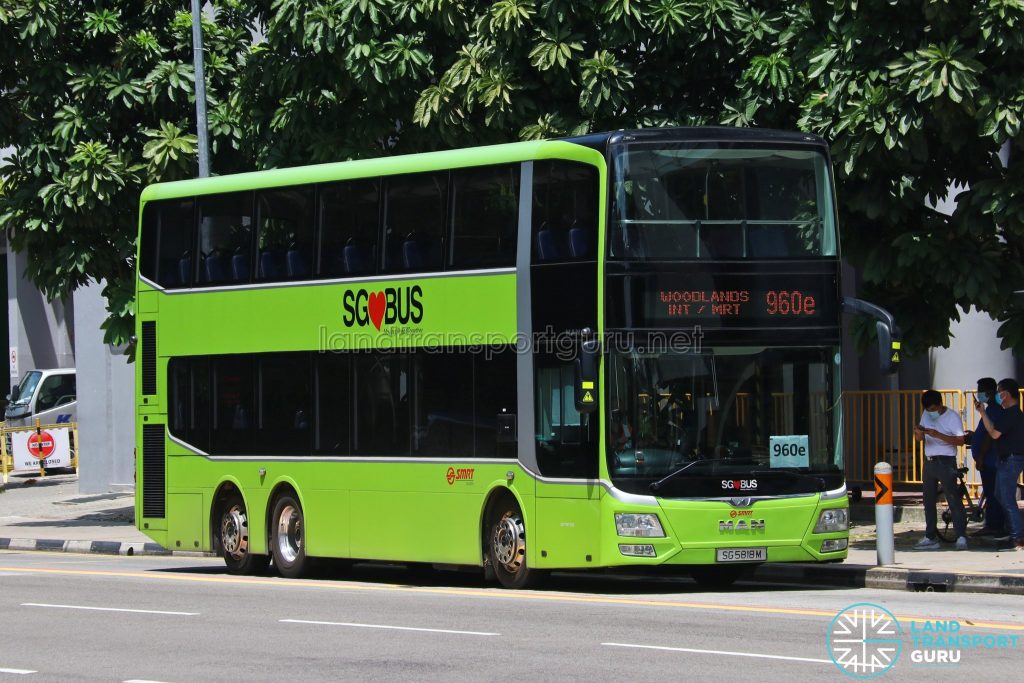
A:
(565, 196)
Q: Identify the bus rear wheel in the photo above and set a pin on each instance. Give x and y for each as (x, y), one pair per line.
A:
(233, 532)
(288, 538)
(506, 546)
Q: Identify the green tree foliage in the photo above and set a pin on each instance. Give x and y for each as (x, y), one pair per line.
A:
(97, 99)
(914, 97)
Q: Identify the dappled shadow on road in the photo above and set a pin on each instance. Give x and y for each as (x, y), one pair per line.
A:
(607, 582)
(116, 517)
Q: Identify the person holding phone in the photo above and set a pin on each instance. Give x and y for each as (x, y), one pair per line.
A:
(1007, 430)
(942, 431)
(986, 462)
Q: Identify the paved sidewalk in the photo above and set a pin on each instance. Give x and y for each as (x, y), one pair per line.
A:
(50, 514)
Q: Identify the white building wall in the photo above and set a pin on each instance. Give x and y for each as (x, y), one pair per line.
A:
(106, 391)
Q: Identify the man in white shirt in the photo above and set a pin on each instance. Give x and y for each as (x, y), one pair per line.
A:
(942, 431)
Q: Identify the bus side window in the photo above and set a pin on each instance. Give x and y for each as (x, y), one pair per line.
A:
(166, 240)
(349, 221)
(333, 403)
(565, 201)
(285, 410)
(494, 381)
(443, 424)
(381, 404)
(484, 217)
(235, 401)
(225, 238)
(415, 215)
(285, 234)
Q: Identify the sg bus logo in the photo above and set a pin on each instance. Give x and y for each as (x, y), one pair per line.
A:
(391, 305)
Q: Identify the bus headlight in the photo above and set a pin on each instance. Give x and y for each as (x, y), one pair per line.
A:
(630, 524)
(835, 519)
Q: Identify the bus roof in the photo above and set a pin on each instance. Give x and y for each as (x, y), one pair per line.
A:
(580, 148)
(380, 166)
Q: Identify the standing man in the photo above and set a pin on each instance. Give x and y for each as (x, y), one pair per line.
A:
(986, 461)
(1008, 432)
(942, 431)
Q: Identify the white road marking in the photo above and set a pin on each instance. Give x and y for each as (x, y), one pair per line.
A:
(721, 652)
(21, 672)
(110, 609)
(142, 680)
(394, 628)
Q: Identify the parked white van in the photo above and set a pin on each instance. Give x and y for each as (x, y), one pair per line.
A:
(49, 396)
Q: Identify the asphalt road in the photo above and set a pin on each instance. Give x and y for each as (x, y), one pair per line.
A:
(90, 617)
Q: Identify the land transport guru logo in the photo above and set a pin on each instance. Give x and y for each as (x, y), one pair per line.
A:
(402, 305)
(865, 641)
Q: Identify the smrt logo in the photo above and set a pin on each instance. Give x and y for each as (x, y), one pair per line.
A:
(739, 484)
(741, 513)
(461, 474)
(388, 306)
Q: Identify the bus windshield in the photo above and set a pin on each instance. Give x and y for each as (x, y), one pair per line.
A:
(742, 409)
(678, 202)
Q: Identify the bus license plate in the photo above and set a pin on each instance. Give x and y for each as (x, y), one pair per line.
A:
(741, 554)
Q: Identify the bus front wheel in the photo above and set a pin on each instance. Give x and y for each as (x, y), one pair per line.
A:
(506, 546)
(233, 531)
(287, 537)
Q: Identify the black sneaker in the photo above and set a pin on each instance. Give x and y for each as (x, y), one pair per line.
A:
(1009, 544)
(1001, 536)
(982, 533)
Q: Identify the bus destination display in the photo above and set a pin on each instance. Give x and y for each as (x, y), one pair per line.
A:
(723, 300)
(738, 303)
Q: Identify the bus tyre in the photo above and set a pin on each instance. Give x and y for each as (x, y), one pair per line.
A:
(288, 538)
(233, 531)
(506, 546)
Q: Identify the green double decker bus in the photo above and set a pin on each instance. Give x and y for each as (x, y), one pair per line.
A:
(613, 350)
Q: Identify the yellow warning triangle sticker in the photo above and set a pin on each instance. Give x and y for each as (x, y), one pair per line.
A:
(588, 397)
(895, 357)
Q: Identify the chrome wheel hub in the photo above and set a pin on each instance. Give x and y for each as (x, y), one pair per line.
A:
(509, 542)
(234, 532)
(289, 533)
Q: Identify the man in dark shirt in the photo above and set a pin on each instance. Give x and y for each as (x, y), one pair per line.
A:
(986, 462)
(1008, 433)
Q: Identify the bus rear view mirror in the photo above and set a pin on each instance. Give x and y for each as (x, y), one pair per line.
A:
(889, 351)
(586, 373)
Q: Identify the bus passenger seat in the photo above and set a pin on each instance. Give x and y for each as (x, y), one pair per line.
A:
(418, 253)
(270, 267)
(579, 242)
(356, 259)
(550, 244)
(239, 266)
(295, 264)
(214, 265)
(185, 268)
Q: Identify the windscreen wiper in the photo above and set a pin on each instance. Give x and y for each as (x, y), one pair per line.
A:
(672, 475)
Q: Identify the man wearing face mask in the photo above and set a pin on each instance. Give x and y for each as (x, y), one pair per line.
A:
(986, 461)
(1007, 431)
(942, 431)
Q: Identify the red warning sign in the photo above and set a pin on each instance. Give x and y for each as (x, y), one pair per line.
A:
(41, 445)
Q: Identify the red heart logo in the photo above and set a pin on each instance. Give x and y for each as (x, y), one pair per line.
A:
(376, 308)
